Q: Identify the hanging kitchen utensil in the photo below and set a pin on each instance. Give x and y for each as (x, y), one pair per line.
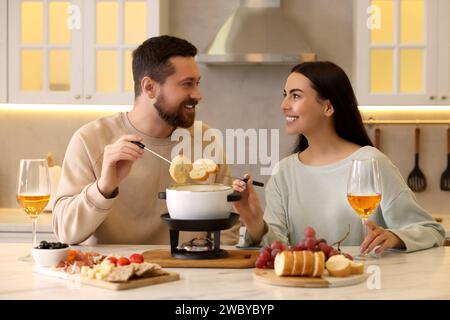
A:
(142, 146)
(416, 179)
(377, 138)
(445, 177)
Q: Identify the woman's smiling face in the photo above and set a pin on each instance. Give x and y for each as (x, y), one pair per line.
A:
(302, 107)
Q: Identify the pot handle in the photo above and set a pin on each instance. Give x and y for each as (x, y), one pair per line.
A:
(235, 196)
(162, 195)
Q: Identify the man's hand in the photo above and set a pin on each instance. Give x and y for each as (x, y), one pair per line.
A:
(118, 159)
(378, 236)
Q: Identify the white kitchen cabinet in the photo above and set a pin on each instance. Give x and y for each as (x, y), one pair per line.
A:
(397, 51)
(3, 46)
(45, 61)
(78, 51)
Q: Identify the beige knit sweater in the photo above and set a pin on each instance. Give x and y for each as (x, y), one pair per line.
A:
(82, 214)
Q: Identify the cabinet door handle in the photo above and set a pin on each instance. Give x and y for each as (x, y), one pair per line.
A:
(431, 97)
(88, 96)
(443, 97)
(77, 96)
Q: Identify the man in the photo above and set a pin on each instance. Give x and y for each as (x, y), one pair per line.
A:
(108, 189)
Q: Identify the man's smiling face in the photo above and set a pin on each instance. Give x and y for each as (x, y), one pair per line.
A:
(180, 93)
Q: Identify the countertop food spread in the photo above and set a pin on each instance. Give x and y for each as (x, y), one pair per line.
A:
(417, 275)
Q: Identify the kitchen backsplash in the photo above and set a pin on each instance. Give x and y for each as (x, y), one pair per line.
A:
(33, 134)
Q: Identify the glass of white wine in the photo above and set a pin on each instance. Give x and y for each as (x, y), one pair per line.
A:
(33, 191)
(364, 191)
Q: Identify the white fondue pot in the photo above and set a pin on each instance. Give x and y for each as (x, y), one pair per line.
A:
(199, 201)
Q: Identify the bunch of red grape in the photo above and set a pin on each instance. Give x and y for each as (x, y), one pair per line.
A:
(268, 253)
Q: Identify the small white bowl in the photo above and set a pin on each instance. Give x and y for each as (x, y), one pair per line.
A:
(49, 257)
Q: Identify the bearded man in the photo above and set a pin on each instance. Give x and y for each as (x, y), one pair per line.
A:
(108, 192)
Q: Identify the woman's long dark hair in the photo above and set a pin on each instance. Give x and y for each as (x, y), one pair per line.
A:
(330, 82)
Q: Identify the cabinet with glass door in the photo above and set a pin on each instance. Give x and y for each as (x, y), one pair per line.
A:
(397, 51)
(78, 51)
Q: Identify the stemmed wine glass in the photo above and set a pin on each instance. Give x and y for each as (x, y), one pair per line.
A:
(33, 191)
(364, 191)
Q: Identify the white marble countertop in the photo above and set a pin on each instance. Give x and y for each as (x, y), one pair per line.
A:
(418, 275)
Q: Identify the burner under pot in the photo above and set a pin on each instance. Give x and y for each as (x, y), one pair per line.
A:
(198, 248)
(198, 245)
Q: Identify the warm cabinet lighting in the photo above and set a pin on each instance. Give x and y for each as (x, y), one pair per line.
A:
(84, 108)
(119, 108)
(403, 108)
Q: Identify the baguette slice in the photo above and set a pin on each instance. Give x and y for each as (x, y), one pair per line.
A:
(179, 168)
(308, 263)
(199, 174)
(356, 267)
(283, 263)
(297, 266)
(209, 165)
(339, 266)
(319, 264)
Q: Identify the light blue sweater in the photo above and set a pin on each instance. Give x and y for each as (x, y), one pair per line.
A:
(299, 195)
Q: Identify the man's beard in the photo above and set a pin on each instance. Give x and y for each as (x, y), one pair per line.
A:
(178, 118)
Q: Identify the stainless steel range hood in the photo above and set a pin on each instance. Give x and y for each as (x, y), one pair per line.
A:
(258, 32)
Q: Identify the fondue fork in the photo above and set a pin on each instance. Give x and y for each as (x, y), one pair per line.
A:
(255, 183)
(142, 146)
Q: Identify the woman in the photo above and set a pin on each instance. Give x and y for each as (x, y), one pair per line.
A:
(310, 186)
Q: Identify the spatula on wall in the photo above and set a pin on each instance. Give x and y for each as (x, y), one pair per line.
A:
(416, 179)
(445, 177)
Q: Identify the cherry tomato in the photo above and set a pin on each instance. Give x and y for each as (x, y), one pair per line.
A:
(113, 260)
(123, 261)
(136, 258)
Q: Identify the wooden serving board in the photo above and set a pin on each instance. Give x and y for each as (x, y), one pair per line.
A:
(131, 284)
(134, 283)
(268, 276)
(237, 259)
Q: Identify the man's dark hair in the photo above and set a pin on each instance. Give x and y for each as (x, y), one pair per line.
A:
(150, 59)
(330, 82)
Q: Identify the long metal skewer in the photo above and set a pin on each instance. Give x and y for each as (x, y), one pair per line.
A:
(142, 146)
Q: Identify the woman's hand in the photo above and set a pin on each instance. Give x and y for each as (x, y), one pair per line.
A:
(378, 236)
(249, 208)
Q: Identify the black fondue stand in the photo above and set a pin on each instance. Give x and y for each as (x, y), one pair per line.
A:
(211, 226)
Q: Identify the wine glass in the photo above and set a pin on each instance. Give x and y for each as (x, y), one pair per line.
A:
(33, 191)
(364, 191)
